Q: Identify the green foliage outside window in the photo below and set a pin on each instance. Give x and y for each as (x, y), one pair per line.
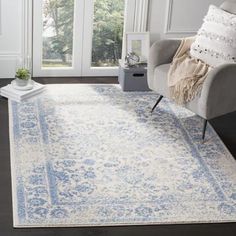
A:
(61, 15)
(107, 32)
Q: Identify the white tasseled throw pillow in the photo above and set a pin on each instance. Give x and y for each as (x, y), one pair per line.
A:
(216, 40)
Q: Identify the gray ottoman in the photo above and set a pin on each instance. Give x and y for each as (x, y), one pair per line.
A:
(133, 78)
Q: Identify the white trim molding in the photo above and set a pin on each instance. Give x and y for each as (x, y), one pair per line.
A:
(169, 29)
(27, 29)
(141, 15)
(0, 17)
(136, 15)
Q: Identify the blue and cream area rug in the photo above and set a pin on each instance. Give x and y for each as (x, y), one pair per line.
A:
(91, 155)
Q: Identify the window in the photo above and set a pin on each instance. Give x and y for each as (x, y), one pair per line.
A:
(107, 32)
(58, 21)
(79, 37)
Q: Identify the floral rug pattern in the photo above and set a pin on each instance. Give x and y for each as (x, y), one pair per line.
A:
(92, 155)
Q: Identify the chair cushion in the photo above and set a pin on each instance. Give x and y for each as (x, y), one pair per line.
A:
(160, 84)
(216, 40)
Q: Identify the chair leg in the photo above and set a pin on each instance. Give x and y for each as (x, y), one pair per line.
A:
(158, 101)
(204, 129)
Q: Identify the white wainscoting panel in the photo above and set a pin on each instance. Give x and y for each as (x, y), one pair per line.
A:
(186, 16)
(11, 36)
(8, 65)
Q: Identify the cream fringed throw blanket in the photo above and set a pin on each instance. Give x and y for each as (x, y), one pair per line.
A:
(186, 74)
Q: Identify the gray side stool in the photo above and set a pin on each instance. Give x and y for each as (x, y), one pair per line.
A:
(133, 78)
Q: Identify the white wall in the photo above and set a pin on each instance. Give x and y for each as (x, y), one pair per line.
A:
(10, 36)
(177, 18)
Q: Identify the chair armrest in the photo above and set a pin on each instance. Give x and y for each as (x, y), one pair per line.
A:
(219, 91)
(161, 52)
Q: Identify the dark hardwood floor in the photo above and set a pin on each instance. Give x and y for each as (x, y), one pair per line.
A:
(225, 127)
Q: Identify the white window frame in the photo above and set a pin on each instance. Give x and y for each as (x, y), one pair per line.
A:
(88, 70)
(76, 69)
(82, 33)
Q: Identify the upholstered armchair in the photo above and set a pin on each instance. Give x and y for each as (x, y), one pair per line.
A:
(218, 95)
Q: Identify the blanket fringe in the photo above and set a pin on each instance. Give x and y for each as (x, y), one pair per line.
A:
(186, 74)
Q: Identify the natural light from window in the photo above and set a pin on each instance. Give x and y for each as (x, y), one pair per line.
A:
(58, 27)
(107, 32)
(58, 21)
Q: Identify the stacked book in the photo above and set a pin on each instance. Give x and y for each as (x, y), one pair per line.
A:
(14, 94)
